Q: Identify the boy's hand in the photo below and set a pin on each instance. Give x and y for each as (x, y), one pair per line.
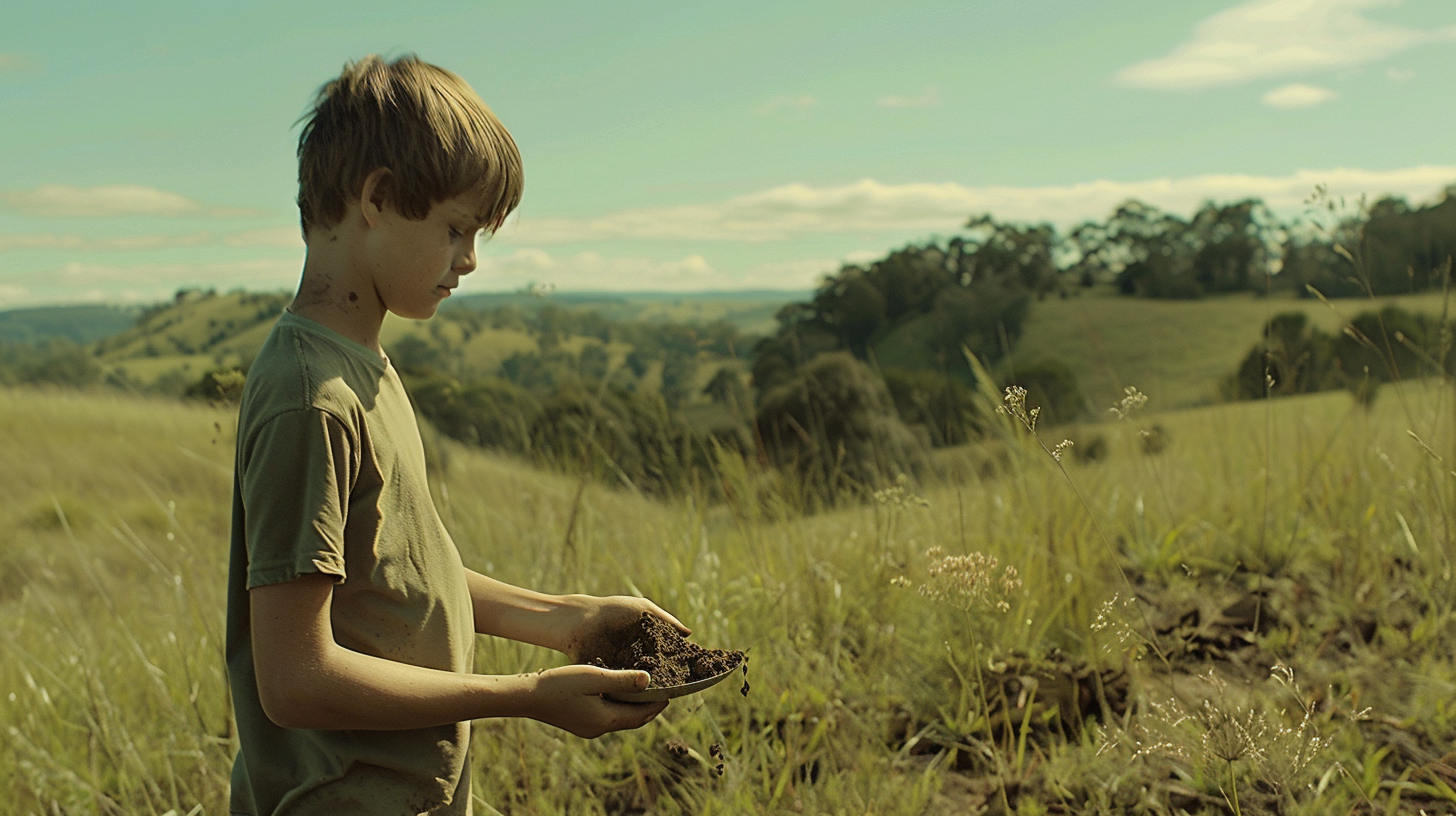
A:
(570, 698)
(596, 616)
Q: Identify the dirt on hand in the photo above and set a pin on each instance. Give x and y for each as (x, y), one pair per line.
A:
(652, 645)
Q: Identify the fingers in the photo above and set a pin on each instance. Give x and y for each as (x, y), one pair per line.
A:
(571, 699)
(621, 682)
(665, 615)
(627, 716)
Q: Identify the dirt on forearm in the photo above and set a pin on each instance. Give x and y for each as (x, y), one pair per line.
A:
(652, 645)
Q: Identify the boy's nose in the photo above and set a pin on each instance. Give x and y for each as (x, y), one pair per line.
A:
(465, 264)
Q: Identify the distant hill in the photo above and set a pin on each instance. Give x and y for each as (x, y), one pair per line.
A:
(1175, 351)
(81, 324)
(751, 310)
(175, 342)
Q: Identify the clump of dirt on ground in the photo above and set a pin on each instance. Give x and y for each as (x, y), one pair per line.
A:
(650, 644)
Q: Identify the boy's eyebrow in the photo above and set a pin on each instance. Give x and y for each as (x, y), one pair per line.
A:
(471, 217)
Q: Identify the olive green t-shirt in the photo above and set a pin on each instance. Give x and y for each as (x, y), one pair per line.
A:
(330, 478)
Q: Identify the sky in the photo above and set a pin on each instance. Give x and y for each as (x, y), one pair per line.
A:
(678, 146)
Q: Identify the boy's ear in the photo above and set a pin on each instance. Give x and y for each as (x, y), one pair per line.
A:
(374, 195)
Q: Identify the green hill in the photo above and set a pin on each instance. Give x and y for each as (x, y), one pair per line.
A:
(173, 344)
(752, 311)
(1175, 351)
(81, 324)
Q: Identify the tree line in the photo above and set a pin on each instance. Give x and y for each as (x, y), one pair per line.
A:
(885, 360)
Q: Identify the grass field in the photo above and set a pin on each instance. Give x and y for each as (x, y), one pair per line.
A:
(1129, 671)
(1178, 349)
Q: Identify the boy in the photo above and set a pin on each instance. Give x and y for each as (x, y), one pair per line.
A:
(351, 620)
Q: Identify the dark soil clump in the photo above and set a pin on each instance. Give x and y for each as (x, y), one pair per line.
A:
(652, 645)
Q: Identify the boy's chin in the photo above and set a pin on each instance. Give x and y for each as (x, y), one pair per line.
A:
(417, 311)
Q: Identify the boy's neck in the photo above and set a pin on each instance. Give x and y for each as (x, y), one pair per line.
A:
(332, 295)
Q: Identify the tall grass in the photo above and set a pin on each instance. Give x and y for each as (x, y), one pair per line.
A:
(865, 696)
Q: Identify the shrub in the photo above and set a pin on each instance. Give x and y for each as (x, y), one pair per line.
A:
(939, 403)
(491, 413)
(1376, 347)
(835, 427)
(1052, 386)
(220, 385)
(622, 438)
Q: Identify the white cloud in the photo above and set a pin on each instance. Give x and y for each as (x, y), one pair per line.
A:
(144, 242)
(75, 281)
(61, 201)
(868, 206)
(11, 295)
(124, 243)
(276, 238)
(801, 274)
(9, 243)
(1298, 95)
(928, 98)
(863, 256)
(798, 104)
(592, 271)
(1395, 74)
(1271, 38)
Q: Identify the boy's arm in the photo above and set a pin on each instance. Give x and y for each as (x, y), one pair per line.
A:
(306, 680)
(561, 622)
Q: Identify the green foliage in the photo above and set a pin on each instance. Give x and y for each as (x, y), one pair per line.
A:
(79, 323)
(834, 426)
(678, 373)
(627, 439)
(727, 388)
(221, 386)
(1407, 250)
(940, 406)
(490, 413)
(1052, 386)
(1149, 253)
(1375, 347)
(56, 361)
(1242, 247)
(974, 293)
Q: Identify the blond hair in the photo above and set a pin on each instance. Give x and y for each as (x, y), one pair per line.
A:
(423, 123)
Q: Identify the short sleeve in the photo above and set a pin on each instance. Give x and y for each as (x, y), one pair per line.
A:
(296, 475)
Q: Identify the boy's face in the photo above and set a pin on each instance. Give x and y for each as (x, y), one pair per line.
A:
(415, 264)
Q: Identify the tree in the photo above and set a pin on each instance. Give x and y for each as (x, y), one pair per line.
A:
(1052, 386)
(678, 372)
(1234, 246)
(920, 304)
(853, 309)
(943, 406)
(220, 386)
(415, 355)
(1006, 251)
(56, 361)
(1376, 347)
(592, 363)
(726, 388)
(835, 427)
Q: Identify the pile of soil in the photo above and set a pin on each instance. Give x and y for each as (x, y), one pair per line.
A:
(650, 644)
